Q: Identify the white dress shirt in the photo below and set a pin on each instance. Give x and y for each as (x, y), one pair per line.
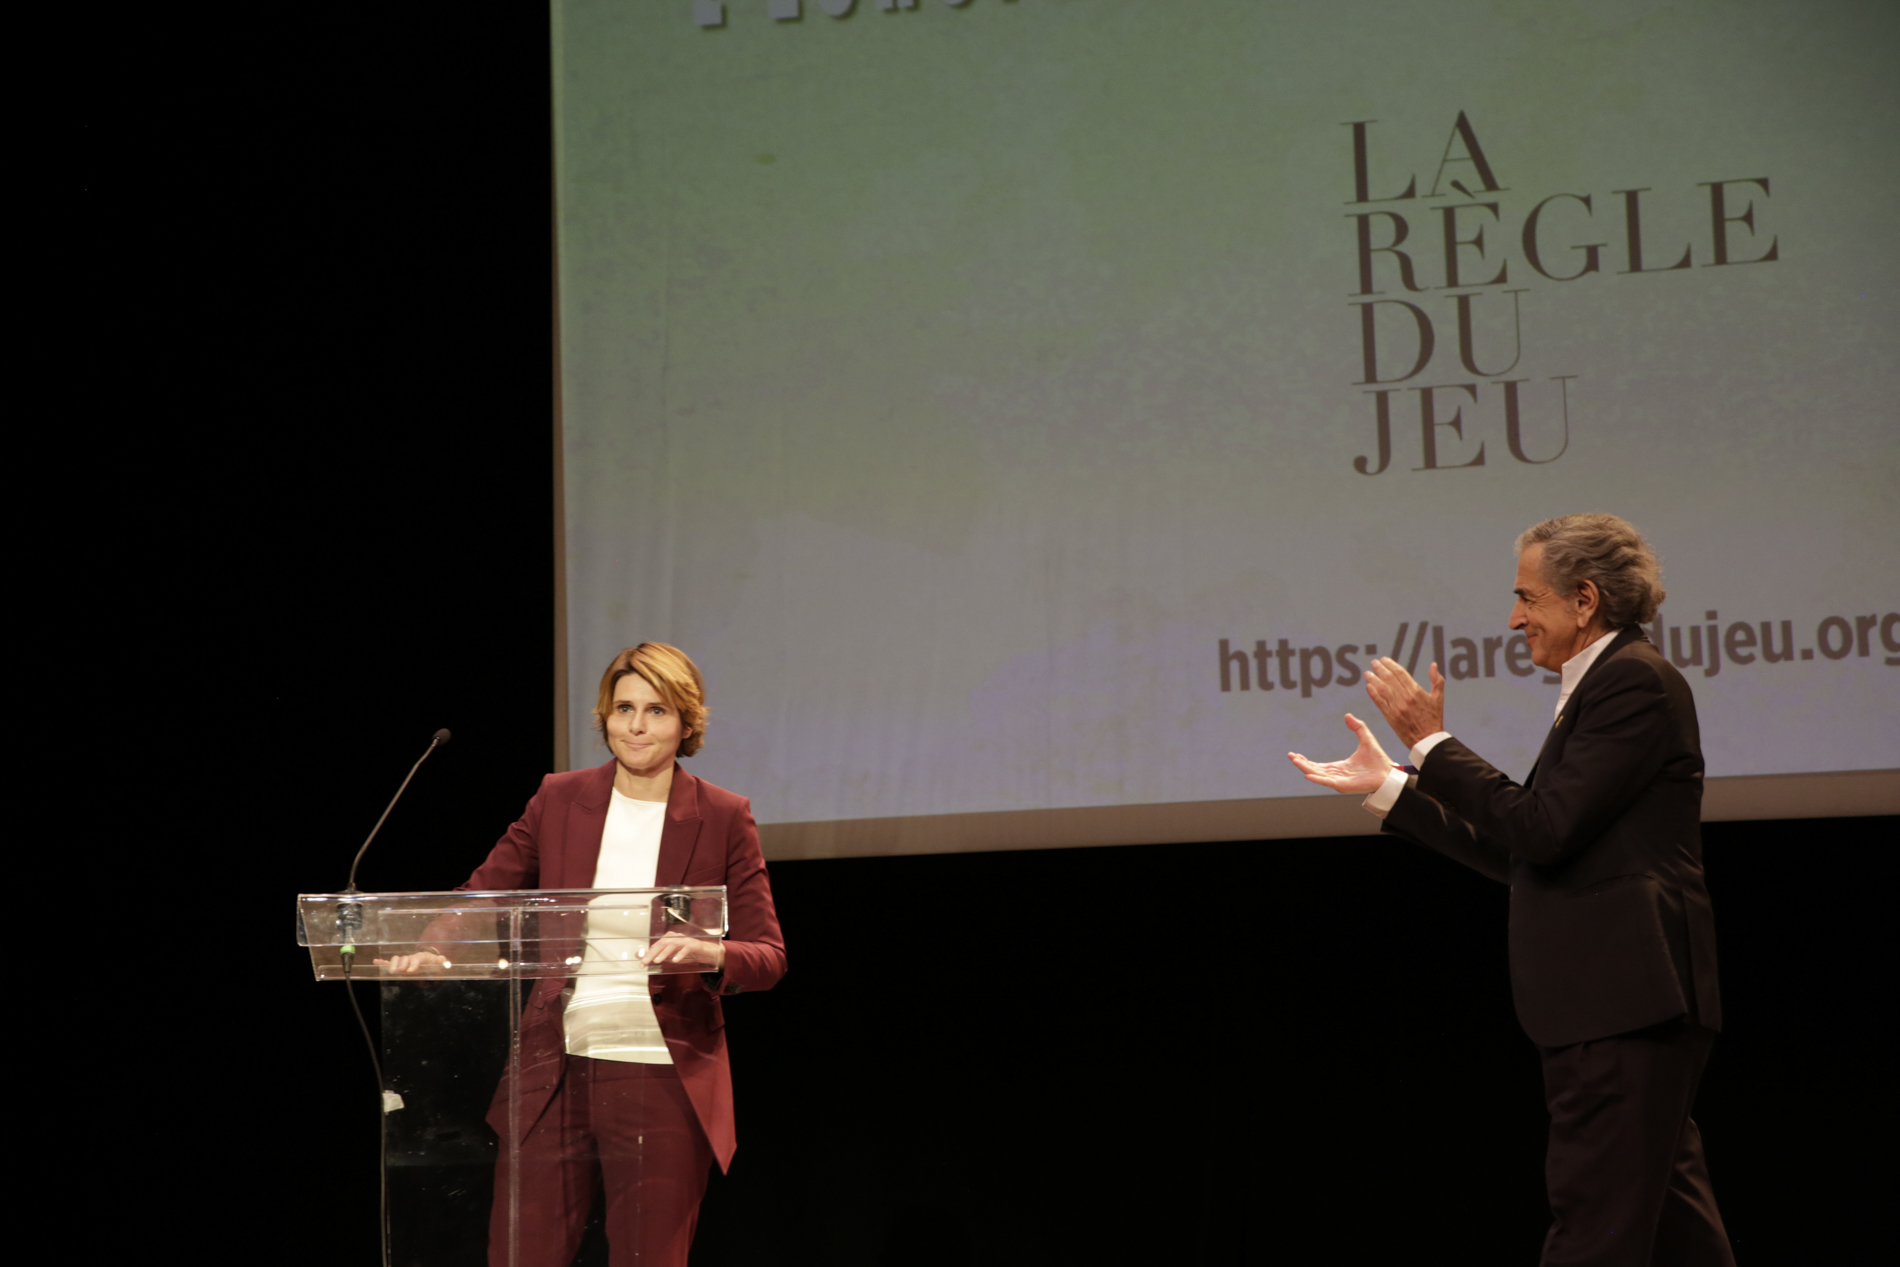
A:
(1382, 800)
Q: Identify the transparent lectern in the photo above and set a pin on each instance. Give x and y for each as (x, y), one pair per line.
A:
(458, 1080)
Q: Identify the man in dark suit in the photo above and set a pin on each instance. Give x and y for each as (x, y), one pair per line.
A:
(1612, 941)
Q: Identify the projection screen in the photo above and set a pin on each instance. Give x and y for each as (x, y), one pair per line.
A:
(1032, 414)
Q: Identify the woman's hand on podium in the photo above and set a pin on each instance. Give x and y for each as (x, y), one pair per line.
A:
(706, 953)
(1362, 772)
(420, 961)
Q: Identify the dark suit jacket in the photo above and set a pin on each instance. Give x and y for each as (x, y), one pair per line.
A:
(708, 838)
(1611, 928)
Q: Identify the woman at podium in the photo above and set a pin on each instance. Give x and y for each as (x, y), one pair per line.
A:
(625, 1084)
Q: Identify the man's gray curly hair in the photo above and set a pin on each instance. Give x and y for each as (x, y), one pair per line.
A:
(1609, 553)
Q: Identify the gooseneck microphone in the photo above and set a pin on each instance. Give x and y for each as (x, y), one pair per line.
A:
(349, 915)
(435, 741)
(349, 922)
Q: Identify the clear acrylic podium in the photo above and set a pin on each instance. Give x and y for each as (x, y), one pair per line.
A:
(458, 1082)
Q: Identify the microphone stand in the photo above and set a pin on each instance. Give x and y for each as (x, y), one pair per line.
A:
(349, 922)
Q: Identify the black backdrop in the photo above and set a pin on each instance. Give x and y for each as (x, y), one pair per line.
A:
(1291, 1051)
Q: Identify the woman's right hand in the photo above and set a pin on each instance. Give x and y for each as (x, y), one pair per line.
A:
(420, 961)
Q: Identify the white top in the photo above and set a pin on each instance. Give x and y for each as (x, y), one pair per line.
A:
(612, 1017)
(1387, 795)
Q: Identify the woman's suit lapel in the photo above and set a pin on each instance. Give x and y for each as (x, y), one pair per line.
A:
(680, 833)
(580, 842)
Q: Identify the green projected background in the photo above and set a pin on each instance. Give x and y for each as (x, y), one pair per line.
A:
(1027, 404)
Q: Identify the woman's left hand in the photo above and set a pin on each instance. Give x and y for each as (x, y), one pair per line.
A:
(706, 953)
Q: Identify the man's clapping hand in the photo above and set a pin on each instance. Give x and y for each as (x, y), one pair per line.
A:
(1362, 772)
(1409, 710)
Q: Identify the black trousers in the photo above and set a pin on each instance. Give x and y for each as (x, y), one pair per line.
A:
(1628, 1184)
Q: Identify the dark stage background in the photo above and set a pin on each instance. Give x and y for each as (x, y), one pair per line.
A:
(1299, 1051)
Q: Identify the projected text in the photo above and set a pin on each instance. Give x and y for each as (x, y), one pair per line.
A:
(1278, 664)
(713, 12)
(1400, 340)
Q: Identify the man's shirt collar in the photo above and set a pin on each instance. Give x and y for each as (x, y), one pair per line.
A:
(1579, 664)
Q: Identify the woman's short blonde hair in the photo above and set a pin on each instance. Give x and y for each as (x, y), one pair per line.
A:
(673, 676)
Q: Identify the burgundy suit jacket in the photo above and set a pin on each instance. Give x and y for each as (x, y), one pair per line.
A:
(1611, 928)
(708, 838)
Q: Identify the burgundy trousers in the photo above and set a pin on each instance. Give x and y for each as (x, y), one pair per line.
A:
(625, 1130)
(1628, 1185)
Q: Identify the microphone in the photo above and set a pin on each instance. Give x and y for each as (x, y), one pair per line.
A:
(436, 740)
(349, 922)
